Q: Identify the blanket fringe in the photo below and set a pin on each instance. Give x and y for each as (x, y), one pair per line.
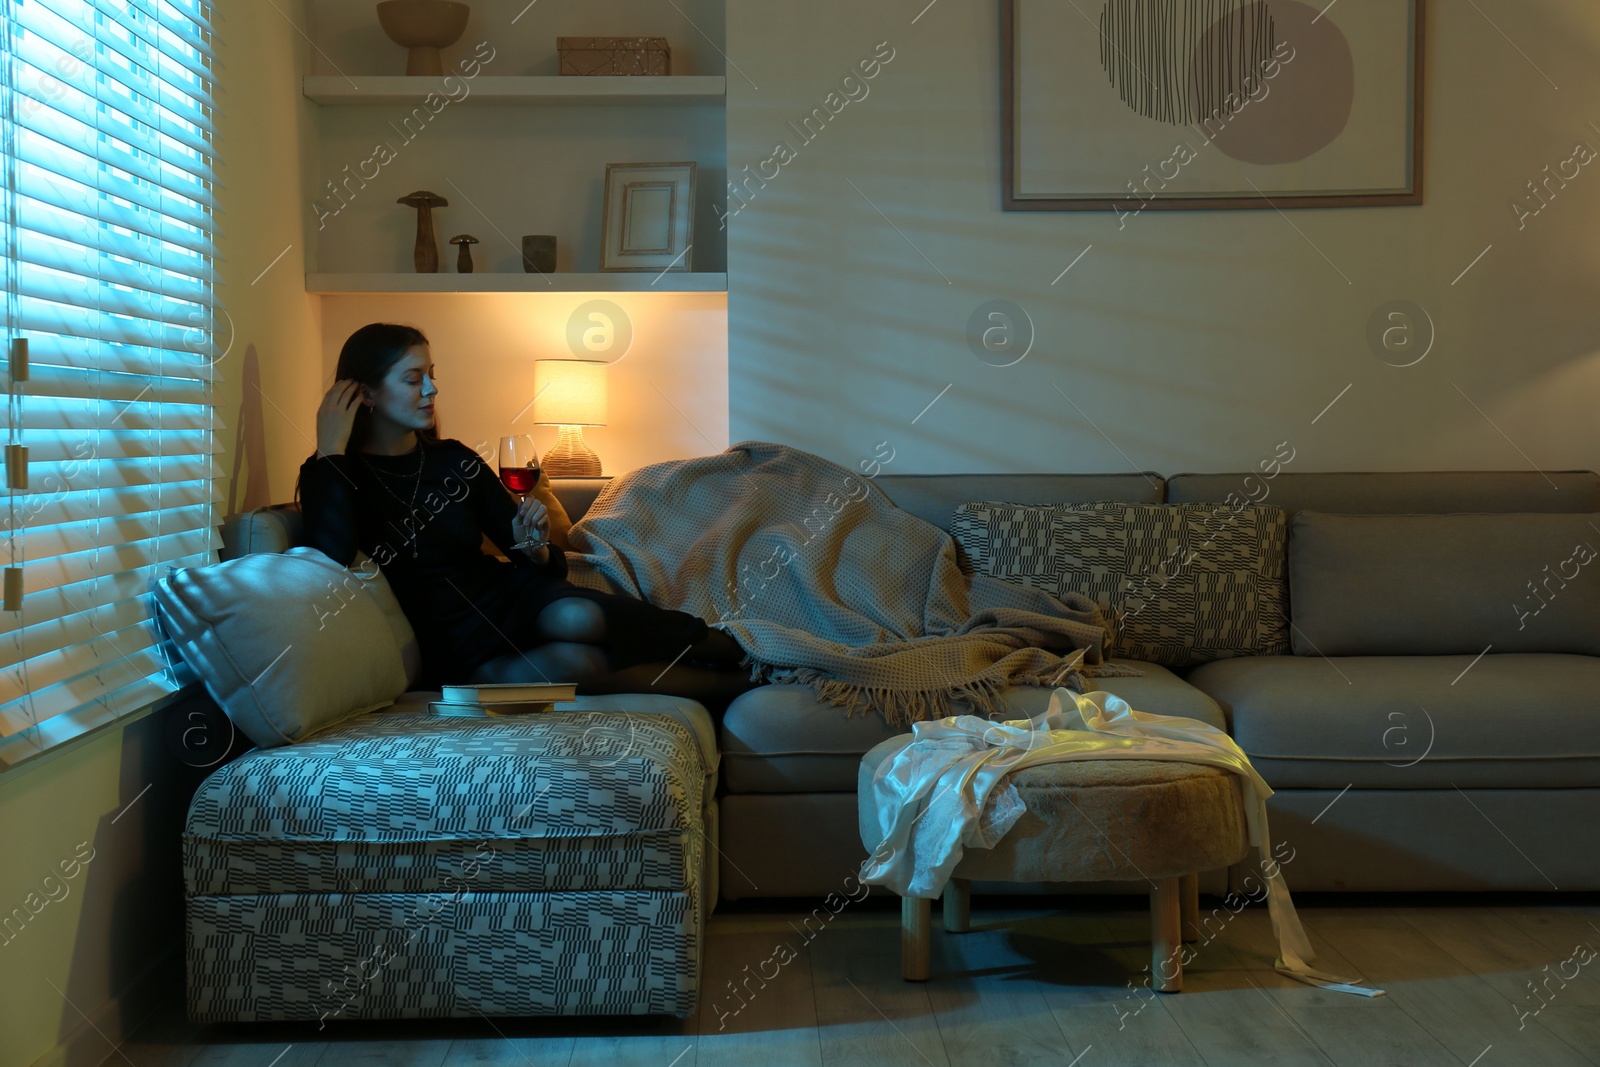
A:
(902, 707)
(1113, 670)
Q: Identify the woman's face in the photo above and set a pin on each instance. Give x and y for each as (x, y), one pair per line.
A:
(405, 395)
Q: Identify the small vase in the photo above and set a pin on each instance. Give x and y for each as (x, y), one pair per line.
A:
(539, 253)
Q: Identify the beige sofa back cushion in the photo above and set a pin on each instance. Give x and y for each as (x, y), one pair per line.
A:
(1441, 585)
(935, 497)
(1397, 492)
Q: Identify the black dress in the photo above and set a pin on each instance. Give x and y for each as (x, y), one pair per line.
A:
(422, 517)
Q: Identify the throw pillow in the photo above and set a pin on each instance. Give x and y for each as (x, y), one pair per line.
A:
(1180, 584)
(290, 643)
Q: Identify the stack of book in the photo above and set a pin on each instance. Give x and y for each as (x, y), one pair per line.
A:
(509, 698)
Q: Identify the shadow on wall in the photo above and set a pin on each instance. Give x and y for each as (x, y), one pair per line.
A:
(1154, 334)
(128, 943)
(250, 444)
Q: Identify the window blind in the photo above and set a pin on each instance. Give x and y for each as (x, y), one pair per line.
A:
(110, 317)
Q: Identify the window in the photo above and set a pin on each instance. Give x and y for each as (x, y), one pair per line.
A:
(109, 316)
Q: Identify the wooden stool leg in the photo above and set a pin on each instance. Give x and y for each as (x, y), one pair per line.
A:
(957, 906)
(1189, 885)
(1166, 946)
(915, 920)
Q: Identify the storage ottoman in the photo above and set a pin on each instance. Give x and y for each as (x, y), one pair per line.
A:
(405, 865)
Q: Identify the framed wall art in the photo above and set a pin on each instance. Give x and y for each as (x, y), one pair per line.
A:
(1133, 105)
(648, 218)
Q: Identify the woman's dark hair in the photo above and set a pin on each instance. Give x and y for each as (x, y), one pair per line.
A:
(367, 356)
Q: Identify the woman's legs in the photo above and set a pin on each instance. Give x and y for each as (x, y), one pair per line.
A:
(583, 623)
(554, 661)
(579, 619)
(713, 688)
(573, 619)
(716, 649)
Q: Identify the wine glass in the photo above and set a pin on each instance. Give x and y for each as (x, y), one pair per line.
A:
(519, 472)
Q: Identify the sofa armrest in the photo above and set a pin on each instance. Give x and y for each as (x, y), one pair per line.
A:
(275, 528)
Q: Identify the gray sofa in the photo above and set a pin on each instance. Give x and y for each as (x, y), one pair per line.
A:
(1410, 756)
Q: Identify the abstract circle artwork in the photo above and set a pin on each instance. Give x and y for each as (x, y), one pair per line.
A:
(1266, 81)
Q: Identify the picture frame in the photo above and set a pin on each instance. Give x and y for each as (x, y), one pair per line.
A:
(648, 221)
(1211, 116)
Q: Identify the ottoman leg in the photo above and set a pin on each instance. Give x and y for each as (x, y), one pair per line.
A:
(915, 919)
(1166, 944)
(957, 906)
(1190, 886)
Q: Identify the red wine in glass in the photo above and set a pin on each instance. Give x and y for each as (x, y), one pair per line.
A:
(519, 472)
(520, 480)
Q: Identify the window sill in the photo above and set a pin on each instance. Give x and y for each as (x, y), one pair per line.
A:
(23, 752)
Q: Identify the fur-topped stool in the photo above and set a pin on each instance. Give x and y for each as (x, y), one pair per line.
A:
(1092, 821)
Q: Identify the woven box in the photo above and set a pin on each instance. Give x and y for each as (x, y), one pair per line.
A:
(614, 55)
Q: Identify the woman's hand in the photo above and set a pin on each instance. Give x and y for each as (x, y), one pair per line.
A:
(337, 416)
(532, 523)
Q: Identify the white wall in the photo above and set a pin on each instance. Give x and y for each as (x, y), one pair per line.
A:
(94, 940)
(268, 166)
(1189, 340)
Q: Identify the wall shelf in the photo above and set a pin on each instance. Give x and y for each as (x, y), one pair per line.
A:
(560, 282)
(485, 89)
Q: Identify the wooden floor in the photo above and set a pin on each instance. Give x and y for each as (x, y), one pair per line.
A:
(1037, 982)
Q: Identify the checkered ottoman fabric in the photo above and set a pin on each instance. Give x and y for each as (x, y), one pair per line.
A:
(403, 865)
(1182, 584)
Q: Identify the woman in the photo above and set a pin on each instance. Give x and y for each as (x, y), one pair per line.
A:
(383, 482)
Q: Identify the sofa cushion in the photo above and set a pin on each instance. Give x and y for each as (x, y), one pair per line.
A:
(576, 494)
(290, 643)
(935, 497)
(1440, 585)
(603, 793)
(1413, 722)
(1396, 492)
(1181, 584)
(781, 739)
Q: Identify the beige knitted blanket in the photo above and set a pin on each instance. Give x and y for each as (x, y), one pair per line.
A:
(826, 583)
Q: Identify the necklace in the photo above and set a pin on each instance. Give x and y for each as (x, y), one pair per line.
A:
(411, 506)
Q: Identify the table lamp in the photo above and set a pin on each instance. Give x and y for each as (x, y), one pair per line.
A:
(570, 394)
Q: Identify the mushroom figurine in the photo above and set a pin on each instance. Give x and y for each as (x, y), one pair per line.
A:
(464, 257)
(426, 256)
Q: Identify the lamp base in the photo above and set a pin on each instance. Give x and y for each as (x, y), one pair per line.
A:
(571, 457)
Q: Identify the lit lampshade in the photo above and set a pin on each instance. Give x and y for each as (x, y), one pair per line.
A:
(570, 394)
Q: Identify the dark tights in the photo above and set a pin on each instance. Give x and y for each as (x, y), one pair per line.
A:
(575, 634)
